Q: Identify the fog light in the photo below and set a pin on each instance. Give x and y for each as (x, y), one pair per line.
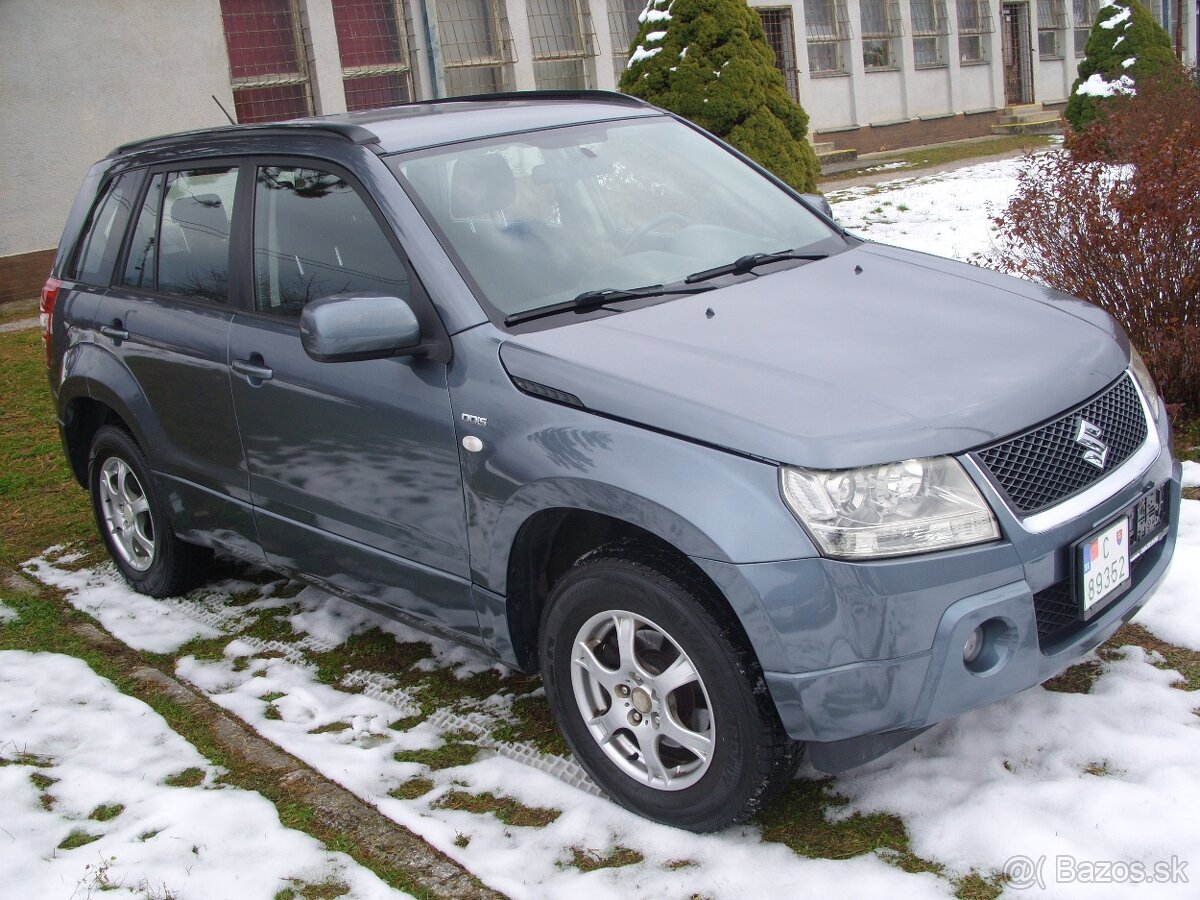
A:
(973, 646)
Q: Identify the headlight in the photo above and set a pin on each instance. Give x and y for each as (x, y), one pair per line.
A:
(1145, 381)
(911, 506)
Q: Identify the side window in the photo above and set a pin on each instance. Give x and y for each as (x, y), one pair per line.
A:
(314, 236)
(140, 267)
(181, 242)
(97, 252)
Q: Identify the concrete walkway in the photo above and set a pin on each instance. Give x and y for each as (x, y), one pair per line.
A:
(20, 324)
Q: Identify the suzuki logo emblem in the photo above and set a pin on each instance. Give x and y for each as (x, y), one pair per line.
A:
(1095, 451)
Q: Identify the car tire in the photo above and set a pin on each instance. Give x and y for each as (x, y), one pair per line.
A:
(636, 651)
(133, 520)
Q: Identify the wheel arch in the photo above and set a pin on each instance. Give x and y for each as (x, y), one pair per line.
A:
(550, 541)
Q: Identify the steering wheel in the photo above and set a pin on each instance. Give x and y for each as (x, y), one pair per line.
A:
(648, 227)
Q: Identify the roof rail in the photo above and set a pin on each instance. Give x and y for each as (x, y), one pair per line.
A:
(354, 133)
(610, 96)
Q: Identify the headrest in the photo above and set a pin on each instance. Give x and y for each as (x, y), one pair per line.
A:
(201, 212)
(481, 184)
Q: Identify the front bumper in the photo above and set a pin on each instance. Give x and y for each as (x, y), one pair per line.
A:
(863, 655)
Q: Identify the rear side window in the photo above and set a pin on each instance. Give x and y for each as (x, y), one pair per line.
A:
(97, 252)
(181, 242)
(315, 236)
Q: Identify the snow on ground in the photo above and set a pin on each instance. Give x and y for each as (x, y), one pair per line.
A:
(7, 614)
(1108, 775)
(947, 213)
(75, 749)
(1191, 473)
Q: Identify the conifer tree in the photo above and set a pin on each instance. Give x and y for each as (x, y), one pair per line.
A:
(1125, 45)
(709, 61)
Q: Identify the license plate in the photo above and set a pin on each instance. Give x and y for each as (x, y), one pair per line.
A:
(1103, 564)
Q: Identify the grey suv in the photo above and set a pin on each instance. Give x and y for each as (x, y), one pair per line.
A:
(569, 380)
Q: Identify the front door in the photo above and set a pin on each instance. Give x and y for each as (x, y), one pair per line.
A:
(1018, 62)
(354, 466)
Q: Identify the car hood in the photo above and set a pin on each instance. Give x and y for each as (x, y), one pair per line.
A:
(872, 355)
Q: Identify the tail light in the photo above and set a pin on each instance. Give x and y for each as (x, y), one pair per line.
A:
(49, 297)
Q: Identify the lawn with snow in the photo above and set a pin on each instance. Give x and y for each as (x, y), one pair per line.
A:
(86, 808)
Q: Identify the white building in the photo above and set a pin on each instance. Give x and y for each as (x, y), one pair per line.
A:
(81, 77)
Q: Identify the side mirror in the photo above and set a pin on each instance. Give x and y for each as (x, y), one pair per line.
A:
(819, 203)
(347, 327)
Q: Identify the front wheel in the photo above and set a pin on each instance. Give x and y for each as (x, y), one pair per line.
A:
(656, 692)
(133, 520)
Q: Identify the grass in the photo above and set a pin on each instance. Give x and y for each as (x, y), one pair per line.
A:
(506, 809)
(106, 812)
(303, 890)
(40, 503)
(17, 310)
(591, 860)
(412, 789)
(77, 838)
(943, 154)
(193, 776)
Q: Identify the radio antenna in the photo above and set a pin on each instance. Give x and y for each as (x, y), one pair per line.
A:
(223, 109)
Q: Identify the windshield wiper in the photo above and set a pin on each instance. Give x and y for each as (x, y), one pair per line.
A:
(589, 300)
(744, 264)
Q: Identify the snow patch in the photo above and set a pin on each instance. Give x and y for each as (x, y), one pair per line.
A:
(1128, 63)
(1173, 613)
(1096, 86)
(7, 614)
(1191, 473)
(1120, 18)
(642, 53)
(650, 14)
(654, 37)
(104, 747)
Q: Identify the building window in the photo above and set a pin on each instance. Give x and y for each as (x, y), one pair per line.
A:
(777, 25)
(476, 46)
(561, 31)
(974, 26)
(373, 42)
(881, 31)
(623, 28)
(1085, 12)
(268, 63)
(930, 28)
(827, 34)
(1052, 25)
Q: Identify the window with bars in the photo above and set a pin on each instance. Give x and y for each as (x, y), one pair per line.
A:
(930, 31)
(561, 32)
(827, 36)
(623, 28)
(373, 42)
(974, 26)
(777, 25)
(1085, 12)
(881, 31)
(268, 60)
(476, 46)
(1052, 25)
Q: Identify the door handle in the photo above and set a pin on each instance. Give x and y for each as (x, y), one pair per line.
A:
(115, 331)
(252, 369)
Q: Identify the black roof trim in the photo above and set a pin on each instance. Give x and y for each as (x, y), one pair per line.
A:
(569, 95)
(354, 133)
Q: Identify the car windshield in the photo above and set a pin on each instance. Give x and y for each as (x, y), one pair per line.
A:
(538, 218)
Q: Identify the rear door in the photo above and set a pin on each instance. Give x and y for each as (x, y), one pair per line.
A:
(354, 466)
(166, 319)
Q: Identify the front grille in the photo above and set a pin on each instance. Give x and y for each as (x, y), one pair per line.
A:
(1045, 464)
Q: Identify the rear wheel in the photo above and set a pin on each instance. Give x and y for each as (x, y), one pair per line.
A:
(656, 692)
(133, 520)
